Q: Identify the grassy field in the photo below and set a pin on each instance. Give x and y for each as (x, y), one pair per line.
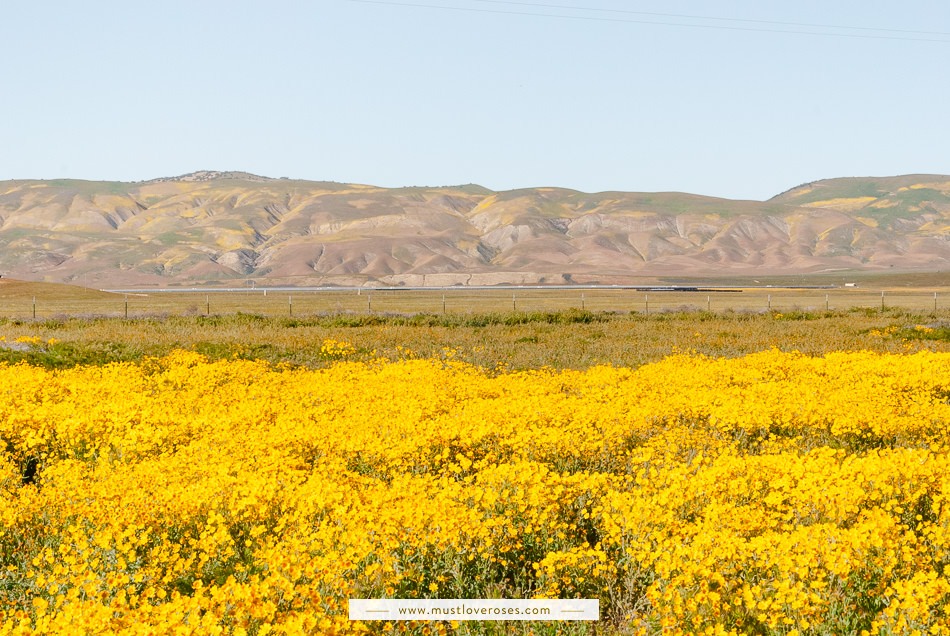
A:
(520, 340)
(43, 300)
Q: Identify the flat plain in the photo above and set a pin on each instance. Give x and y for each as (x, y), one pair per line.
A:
(20, 299)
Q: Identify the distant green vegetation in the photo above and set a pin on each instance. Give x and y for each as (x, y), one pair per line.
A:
(91, 187)
(917, 196)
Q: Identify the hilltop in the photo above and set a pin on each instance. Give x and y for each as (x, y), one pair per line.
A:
(219, 226)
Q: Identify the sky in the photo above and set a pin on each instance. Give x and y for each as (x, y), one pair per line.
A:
(741, 99)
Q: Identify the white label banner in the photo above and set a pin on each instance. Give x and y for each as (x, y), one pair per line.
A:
(474, 609)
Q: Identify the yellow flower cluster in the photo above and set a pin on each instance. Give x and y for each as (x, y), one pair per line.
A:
(31, 340)
(775, 493)
(884, 333)
(336, 350)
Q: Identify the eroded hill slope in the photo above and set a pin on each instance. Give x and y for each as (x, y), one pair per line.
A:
(213, 226)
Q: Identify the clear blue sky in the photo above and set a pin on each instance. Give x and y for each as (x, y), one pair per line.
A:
(478, 92)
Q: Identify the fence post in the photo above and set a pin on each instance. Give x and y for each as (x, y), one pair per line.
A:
(935, 302)
(646, 301)
(707, 304)
(34, 306)
(514, 303)
(583, 306)
(290, 305)
(770, 302)
(826, 302)
(369, 301)
(882, 300)
(208, 305)
(126, 307)
(443, 303)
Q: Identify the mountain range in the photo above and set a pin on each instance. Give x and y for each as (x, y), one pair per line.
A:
(227, 227)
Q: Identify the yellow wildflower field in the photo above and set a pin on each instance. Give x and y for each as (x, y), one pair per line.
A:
(774, 493)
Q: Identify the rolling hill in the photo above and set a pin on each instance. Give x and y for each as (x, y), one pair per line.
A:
(209, 227)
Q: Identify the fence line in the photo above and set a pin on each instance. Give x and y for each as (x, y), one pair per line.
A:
(470, 301)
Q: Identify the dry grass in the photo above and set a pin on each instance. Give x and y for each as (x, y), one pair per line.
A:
(21, 300)
(572, 339)
(517, 328)
(16, 293)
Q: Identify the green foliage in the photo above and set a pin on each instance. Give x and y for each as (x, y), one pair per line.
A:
(64, 355)
(934, 332)
(168, 238)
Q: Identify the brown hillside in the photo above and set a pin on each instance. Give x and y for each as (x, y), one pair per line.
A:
(218, 227)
